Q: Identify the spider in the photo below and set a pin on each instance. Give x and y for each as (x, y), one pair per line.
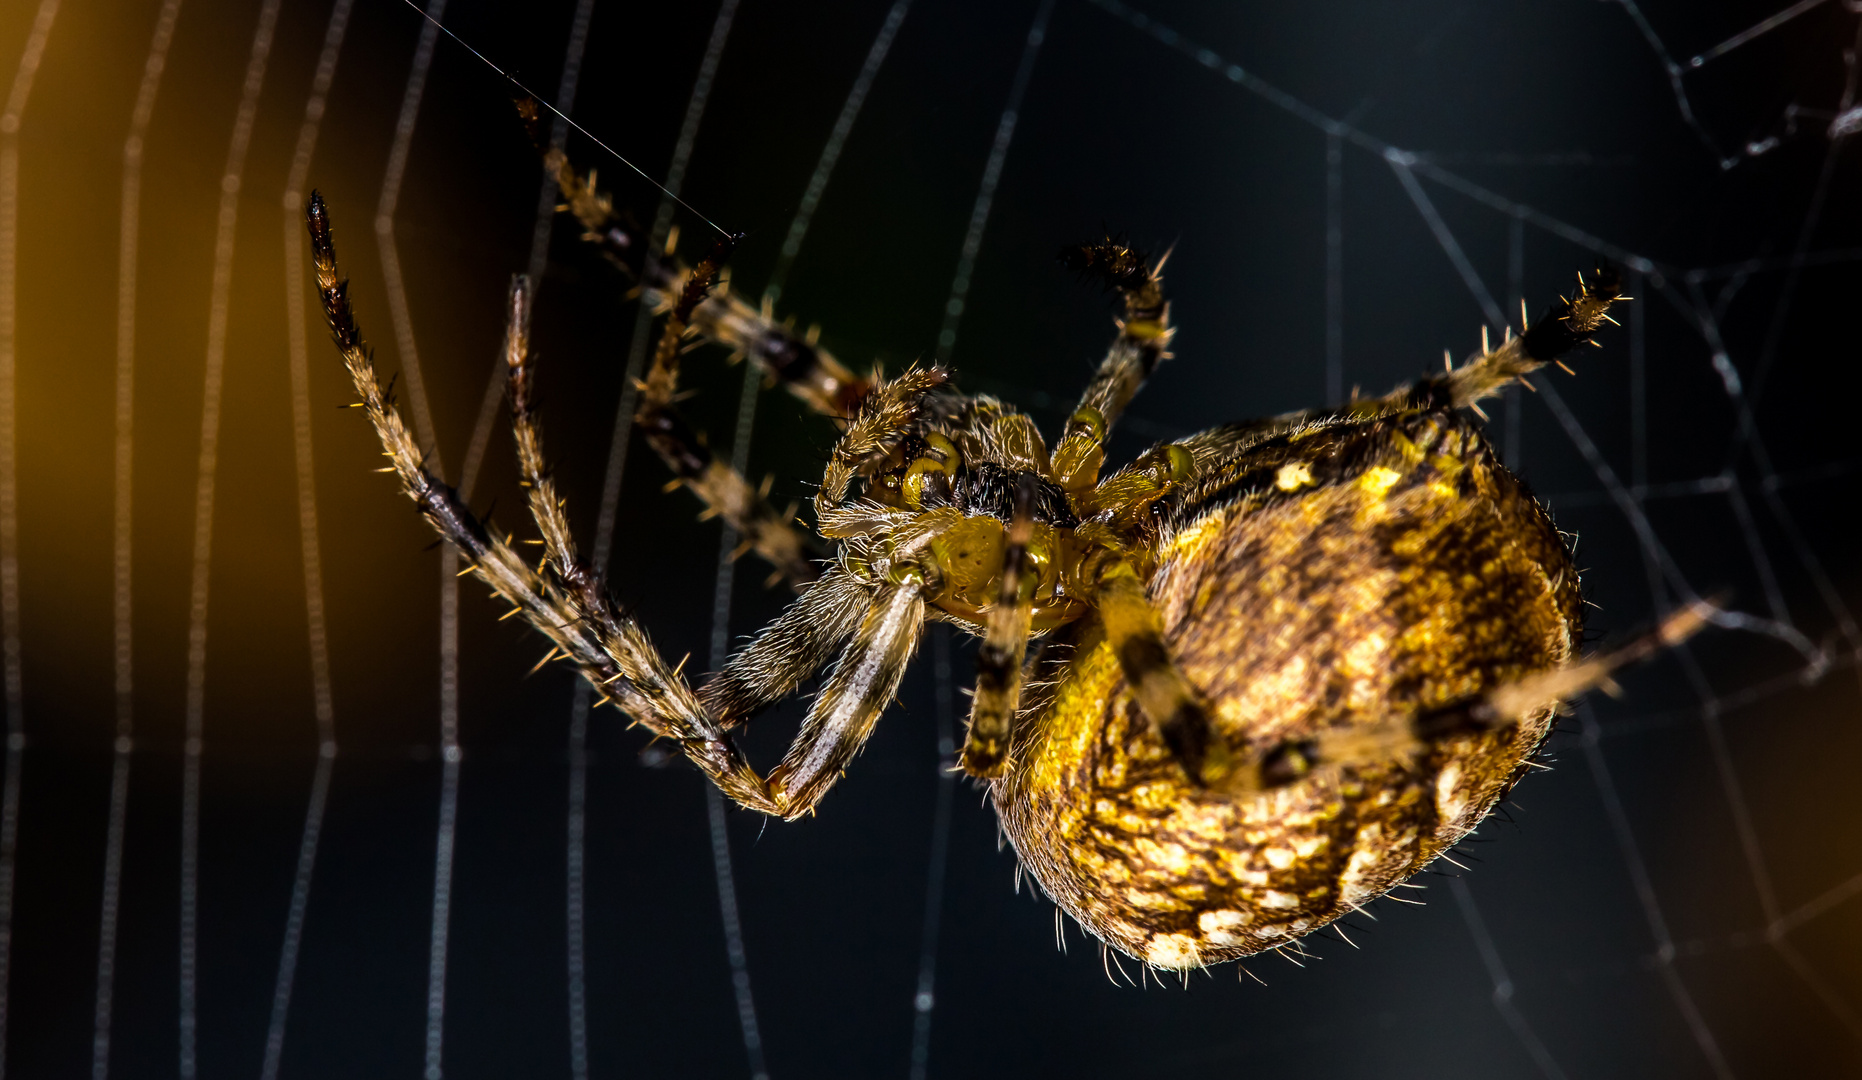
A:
(1277, 666)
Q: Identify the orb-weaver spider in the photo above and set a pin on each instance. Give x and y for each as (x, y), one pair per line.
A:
(1282, 665)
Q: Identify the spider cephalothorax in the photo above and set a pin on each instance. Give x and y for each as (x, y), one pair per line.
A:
(1278, 666)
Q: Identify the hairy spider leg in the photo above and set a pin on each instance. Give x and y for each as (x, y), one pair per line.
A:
(569, 607)
(1142, 342)
(720, 317)
(1165, 697)
(1005, 644)
(1566, 324)
(797, 362)
(803, 640)
(868, 674)
(717, 483)
(569, 604)
(862, 686)
(1510, 703)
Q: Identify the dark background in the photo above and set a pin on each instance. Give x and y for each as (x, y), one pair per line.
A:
(1733, 781)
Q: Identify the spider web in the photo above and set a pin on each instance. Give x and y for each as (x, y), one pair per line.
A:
(193, 880)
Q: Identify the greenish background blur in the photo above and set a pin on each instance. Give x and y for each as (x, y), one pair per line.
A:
(1735, 787)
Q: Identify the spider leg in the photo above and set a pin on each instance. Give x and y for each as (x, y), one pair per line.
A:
(1005, 643)
(1501, 707)
(491, 559)
(1142, 341)
(1568, 324)
(568, 606)
(799, 643)
(884, 418)
(721, 487)
(807, 370)
(861, 687)
(1165, 697)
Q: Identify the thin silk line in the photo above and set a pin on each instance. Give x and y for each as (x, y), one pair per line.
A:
(1334, 268)
(992, 175)
(830, 153)
(1503, 987)
(1645, 896)
(1779, 626)
(1638, 384)
(791, 247)
(213, 383)
(575, 875)
(9, 483)
(924, 997)
(446, 828)
(297, 336)
(1762, 27)
(1362, 139)
(128, 239)
(562, 116)
(1515, 301)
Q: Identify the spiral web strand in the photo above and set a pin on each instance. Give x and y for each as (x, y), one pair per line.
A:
(1665, 579)
(1688, 291)
(10, 119)
(316, 628)
(129, 236)
(214, 383)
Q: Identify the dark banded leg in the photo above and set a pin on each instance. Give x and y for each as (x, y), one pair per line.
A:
(1504, 706)
(568, 606)
(797, 645)
(1566, 325)
(1143, 341)
(723, 490)
(868, 675)
(862, 685)
(1005, 644)
(794, 361)
(1165, 697)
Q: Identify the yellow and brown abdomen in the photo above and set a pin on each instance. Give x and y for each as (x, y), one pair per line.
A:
(1329, 579)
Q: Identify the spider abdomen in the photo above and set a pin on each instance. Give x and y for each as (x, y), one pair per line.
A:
(1322, 581)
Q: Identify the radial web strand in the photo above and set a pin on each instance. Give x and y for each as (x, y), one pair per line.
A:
(1664, 574)
(1334, 269)
(1792, 595)
(1503, 988)
(743, 432)
(992, 176)
(924, 996)
(735, 952)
